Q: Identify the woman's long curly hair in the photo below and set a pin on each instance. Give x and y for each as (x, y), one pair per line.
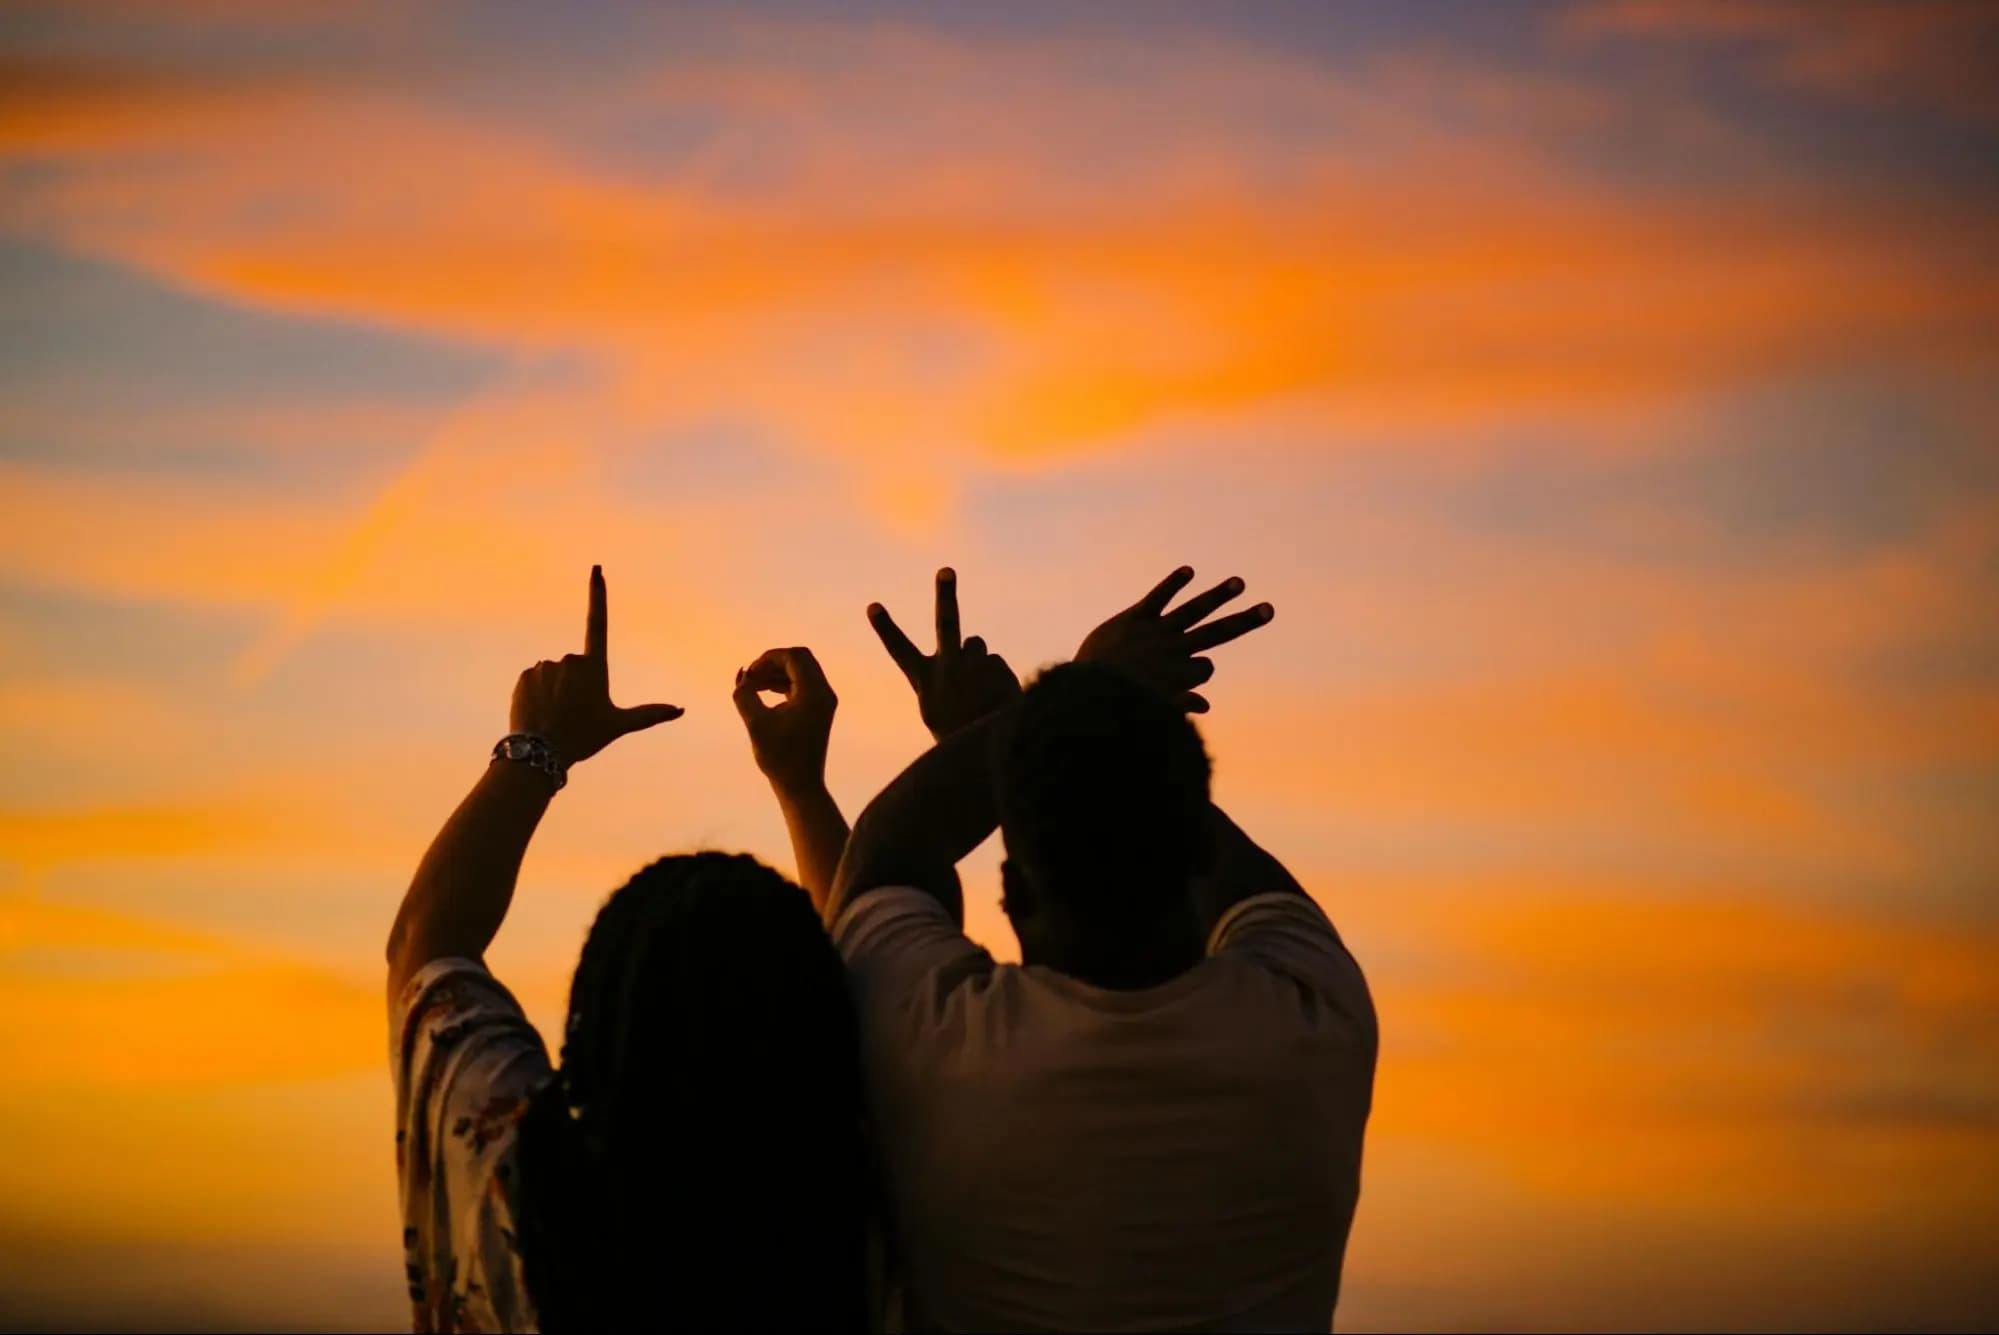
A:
(700, 1158)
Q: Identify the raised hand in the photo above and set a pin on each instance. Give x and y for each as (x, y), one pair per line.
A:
(567, 703)
(788, 739)
(960, 683)
(1162, 648)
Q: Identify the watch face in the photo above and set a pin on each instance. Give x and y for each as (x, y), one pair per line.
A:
(519, 748)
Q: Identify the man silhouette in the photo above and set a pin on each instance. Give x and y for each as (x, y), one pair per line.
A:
(1155, 1120)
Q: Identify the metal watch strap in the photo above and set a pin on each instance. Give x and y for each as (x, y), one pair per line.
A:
(530, 749)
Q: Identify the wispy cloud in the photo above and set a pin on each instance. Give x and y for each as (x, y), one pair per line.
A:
(1931, 54)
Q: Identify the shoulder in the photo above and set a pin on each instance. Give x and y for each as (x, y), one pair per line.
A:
(1287, 937)
(909, 966)
(465, 1061)
(897, 931)
(450, 993)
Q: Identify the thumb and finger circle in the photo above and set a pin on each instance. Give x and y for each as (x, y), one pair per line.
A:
(764, 673)
(749, 700)
(793, 673)
(802, 672)
(770, 670)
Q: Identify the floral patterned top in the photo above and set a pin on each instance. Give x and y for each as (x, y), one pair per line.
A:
(466, 1062)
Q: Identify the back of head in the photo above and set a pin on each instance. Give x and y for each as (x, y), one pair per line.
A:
(700, 1157)
(1103, 800)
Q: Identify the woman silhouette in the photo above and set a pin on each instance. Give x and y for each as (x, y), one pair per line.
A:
(699, 1157)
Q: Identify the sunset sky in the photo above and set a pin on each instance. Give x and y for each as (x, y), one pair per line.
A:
(1605, 394)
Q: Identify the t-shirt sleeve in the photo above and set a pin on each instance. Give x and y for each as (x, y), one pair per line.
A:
(1288, 934)
(904, 955)
(466, 1062)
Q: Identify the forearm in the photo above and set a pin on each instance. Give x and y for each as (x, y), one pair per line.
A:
(461, 890)
(818, 835)
(1241, 869)
(927, 819)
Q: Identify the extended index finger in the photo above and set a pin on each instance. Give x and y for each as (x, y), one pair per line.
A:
(596, 627)
(947, 611)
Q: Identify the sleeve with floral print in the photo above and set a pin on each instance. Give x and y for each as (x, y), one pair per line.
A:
(466, 1061)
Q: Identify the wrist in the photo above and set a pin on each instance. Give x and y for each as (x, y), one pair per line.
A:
(793, 786)
(531, 752)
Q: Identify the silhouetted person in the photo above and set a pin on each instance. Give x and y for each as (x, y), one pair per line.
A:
(699, 1159)
(1155, 1121)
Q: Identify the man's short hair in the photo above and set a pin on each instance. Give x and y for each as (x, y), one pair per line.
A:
(1103, 799)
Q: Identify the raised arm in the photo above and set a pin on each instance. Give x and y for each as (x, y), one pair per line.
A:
(789, 741)
(939, 809)
(942, 806)
(1241, 870)
(928, 818)
(562, 715)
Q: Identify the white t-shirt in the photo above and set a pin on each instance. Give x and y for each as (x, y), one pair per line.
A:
(1060, 1156)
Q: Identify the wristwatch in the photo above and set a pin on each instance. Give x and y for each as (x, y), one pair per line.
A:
(533, 750)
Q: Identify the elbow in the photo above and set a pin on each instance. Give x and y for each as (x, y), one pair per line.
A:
(859, 867)
(863, 843)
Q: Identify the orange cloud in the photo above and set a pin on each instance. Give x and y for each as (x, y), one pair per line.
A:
(1555, 701)
(126, 1002)
(41, 838)
(1713, 1046)
(1472, 278)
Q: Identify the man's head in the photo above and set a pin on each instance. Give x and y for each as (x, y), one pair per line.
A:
(1103, 801)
